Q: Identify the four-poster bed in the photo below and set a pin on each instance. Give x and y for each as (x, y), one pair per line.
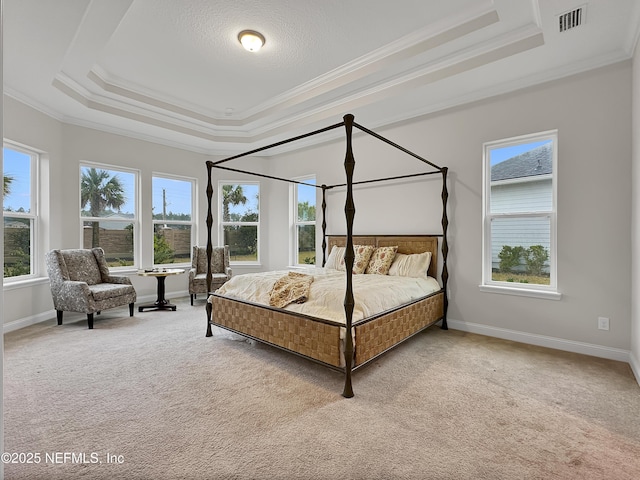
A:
(342, 343)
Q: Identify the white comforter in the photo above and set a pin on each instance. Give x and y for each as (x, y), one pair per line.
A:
(372, 293)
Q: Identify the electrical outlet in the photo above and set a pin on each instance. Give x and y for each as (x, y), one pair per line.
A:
(603, 323)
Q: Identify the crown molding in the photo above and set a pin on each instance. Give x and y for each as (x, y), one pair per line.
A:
(416, 43)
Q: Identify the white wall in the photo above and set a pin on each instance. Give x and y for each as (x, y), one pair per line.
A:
(41, 132)
(65, 147)
(594, 201)
(635, 220)
(594, 204)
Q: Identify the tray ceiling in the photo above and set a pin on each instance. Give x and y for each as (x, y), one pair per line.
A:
(173, 71)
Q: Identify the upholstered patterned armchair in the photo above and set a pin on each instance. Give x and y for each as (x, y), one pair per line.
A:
(80, 282)
(198, 272)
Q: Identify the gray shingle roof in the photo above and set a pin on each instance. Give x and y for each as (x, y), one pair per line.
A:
(528, 164)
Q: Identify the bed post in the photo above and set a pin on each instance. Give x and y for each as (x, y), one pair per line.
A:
(349, 256)
(209, 307)
(445, 246)
(324, 224)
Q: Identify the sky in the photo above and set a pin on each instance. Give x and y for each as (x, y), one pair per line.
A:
(127, 180)
(504, 153)
(250, 191)
(307, 194)
(178, 192)
(177, 195)
(17, 165)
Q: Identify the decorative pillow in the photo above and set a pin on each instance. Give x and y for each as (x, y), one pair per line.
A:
(361, 260)
(335, 258)
(381, 260)
(415, 265)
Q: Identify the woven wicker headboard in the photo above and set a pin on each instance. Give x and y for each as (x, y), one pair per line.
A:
(407, 244)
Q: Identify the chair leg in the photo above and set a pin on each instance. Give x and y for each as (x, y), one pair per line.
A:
(192, 295)
(90, 320)
(131, 309)
(59, 315)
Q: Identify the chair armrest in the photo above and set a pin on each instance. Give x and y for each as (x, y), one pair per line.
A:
(118, 279)
(192, 273)
(74, 296)
(229, 272)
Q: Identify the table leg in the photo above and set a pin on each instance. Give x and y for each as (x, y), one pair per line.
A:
(161, 303)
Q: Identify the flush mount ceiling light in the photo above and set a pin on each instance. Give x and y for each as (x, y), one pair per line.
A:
(251, 40)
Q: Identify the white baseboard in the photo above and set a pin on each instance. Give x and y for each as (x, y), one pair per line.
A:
(635, 366)
(51, 314)
(25, 322)
(545, 341)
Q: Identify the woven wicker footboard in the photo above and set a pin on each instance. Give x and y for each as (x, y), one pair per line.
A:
(380, 334)
(321, 341)
(299, 334)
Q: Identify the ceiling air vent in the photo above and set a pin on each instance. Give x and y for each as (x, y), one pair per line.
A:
(571, 19)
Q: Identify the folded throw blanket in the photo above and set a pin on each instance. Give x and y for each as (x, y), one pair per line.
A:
(292, 288)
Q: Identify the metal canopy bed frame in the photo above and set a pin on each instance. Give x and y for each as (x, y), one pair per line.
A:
(248, 319)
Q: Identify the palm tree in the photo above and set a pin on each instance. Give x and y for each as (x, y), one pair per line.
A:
(6, 186)
(231, 195)
(100, 191)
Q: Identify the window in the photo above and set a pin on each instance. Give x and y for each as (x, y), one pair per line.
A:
(20, 212)
(108, 210)
(173, 227)
(520, 214)
(304, 221)
(240, 220)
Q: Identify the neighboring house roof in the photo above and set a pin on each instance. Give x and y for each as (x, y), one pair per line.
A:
(528, 164)
(10, 224)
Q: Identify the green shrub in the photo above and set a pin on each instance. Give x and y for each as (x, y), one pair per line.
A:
(535, 258)
(162, 251)
(510, 258)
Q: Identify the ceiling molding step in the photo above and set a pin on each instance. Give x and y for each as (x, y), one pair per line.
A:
(114, 106)
(633, 36)
(30, 102)
(497, 90)
(411, 45)
(97, 76)
(100, 21)
(408, 115)
(518, 42)
(496, 49)
(537, 15)
(402, 49)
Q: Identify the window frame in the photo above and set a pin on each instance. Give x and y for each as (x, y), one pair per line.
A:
(192, 222)
(135, 221)
(295, 223)
(523, 289)
(33, 215)
(222, 223)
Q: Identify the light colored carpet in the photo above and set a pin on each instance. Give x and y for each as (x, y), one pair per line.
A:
(152, 392)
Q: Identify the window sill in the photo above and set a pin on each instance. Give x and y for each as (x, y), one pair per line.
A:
(522, 292)
(27, 283)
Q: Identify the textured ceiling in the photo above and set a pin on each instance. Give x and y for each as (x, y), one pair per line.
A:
(173, 71)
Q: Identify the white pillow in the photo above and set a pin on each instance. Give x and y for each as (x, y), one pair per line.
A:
(335, 257)
(414, 265)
